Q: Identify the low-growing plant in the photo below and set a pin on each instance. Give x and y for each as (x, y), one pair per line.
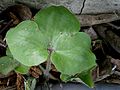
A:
(53, 36)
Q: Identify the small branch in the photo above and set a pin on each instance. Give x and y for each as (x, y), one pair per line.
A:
(117, 73)
(8, 24)
(107, 75)
(2, 43)
(116, 27)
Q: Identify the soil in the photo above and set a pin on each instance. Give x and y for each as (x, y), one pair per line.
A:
(105, 45)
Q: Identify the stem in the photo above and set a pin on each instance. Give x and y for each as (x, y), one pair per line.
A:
(48, 66)
(50, 75)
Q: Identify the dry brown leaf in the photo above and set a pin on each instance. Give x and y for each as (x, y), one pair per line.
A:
(20, 82)
(35, 71)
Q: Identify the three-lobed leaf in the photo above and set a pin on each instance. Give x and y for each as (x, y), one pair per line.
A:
(53, 28)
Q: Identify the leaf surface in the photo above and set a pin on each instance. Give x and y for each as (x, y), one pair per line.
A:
(55, 19)
(86, 77)
(7, 64)
(72, 53)
(22, 69)
(27, 44)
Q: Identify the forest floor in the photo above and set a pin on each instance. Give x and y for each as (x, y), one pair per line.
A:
(105, 45)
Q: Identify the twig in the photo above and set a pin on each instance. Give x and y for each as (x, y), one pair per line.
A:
(106, 75)
(8, 24)
(3, 45)
(116, 27)
(9, 88)
(117, 73)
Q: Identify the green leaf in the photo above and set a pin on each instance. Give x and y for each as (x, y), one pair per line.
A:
(56, 19)
(8, 53)
(65, 77)
(27, 44)
(72, 53)
(27, 86)
(7, 64)
(87, 79)
(22, 69)
(84, 77)
(30, 83)
(33, 84)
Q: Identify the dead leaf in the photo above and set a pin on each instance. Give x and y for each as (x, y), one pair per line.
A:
(35, 71)
(20, 82)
